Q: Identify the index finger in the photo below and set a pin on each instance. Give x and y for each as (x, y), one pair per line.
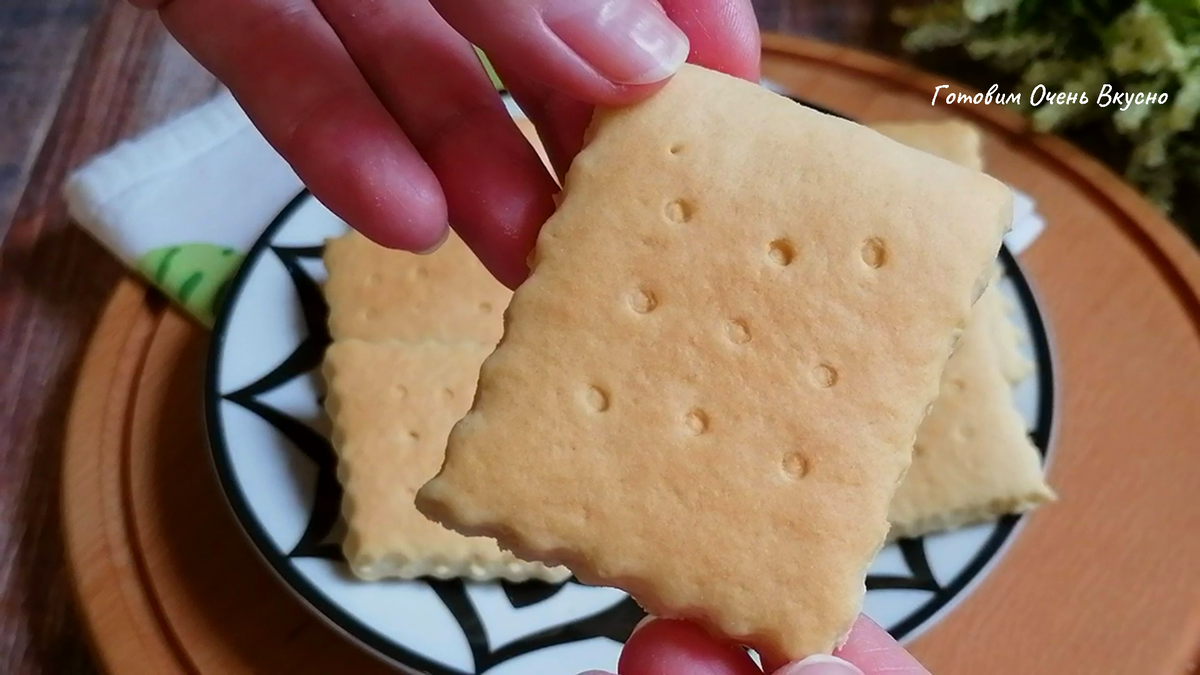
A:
(297, 83)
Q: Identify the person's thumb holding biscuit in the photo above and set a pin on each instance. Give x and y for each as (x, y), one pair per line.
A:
(668, 647)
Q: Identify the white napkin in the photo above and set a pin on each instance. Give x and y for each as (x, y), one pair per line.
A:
(183, 203)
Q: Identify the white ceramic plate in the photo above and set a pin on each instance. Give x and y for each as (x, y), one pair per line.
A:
(269, 439)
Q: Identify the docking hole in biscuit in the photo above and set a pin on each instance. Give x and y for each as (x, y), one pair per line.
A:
(370, 314)
(795, 465)
(825, 376)
(676, 149)
(596, 399)
(696, 422)
(678, 211)
(448, 394)
(782, 252)
(485, 307)
(738, 332)
(642, 301)
(401, 391)
(373, 279)
(874, 253)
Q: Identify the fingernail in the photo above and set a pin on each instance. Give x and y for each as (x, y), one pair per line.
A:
(639, 625)
(820, 664)
(435, 247)
(626, 41)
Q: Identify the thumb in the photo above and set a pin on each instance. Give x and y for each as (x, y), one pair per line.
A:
(820, 664)
(869, 649)
(591, 50)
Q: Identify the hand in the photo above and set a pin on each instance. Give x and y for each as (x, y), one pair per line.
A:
(662, 647)
(386, 114)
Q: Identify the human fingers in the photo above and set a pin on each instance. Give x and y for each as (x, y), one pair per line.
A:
(869, 649)
(560, 120)
(600, 51)
(671, 647)
(558, 58)
(874, 650)
(723, 34)
(297, 83)
(498, 192)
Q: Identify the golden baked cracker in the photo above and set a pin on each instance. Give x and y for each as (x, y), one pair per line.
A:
(1008, 338)
(972, 460)
(392, 406)
(955, 140)
(378, 293)
(709, 386)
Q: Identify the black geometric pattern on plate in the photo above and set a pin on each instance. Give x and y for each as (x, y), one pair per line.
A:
(320, 537)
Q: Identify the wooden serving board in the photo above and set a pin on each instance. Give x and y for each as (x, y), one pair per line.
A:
(1106, 580)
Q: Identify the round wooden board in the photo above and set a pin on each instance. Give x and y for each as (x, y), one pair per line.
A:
(1103, 581)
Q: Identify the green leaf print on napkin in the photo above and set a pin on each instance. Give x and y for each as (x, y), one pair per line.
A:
(194, 275)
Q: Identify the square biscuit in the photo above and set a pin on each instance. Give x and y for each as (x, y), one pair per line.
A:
(972, 460)
(392, 405)
(735, 322)
(1008, 339)
(376, 293)
(954, 140)
(962, 143)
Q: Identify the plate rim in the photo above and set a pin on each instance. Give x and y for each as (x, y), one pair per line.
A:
(235, 499)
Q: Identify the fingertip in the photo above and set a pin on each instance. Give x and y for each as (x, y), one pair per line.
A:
(673, 646)
(498, 191)
(392, 205)
(610, 53)
(511, 274)
(873, 649)
(628, 42)
(724, 34)
(438, 245)
(820, 664)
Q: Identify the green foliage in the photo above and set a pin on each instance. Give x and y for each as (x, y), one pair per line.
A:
(1150, 46)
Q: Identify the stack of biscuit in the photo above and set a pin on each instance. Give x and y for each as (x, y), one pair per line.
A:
(409, 334)
(973, 460)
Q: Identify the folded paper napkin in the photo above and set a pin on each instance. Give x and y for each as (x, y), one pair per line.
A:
(182, 204)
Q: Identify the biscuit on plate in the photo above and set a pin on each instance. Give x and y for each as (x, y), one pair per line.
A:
(392, 405)
(972, 460)
(379, 293)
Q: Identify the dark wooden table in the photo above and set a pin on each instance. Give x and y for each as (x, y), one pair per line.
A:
(77, 76)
